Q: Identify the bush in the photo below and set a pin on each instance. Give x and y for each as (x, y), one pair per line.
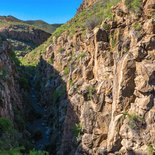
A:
(137, 26)
(91, 91)
(61, 50)
(19, 150)
(135, 121)
(66, 71)
(133, 5)
(150, 149)
(5, 125)
(77, 130)
(93, 22)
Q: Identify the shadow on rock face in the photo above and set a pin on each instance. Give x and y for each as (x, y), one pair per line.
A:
(53, 129)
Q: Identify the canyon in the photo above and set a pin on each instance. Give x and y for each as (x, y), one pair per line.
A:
(90, 88)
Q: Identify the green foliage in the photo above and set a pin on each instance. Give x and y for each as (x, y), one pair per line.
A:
(18, 150)
(100, 10)
(135, 121)
(50, 60)
(5, 125)
(12, 151)
(81, 55)
(133, 5)
(66, 71)
(106, 26)
(93, 22)
(150, 149)
(77, 130)
(91, 91)
(14, 58)
(61, 50)
(59, 92)
(137, 26)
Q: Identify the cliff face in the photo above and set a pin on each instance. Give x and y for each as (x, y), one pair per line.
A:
(107, 103)
(10, 95)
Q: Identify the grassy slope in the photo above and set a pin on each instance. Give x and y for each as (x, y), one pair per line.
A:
(100, 10)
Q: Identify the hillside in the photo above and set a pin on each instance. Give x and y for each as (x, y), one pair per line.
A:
(89, 89)
(38, 24)
(43, 25)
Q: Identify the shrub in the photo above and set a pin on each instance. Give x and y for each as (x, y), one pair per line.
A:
(61, 50)
(93, 22)
(135, 121)
(19, 150)
(66, 71)
(5, 125)
(91, 91)
(77, 130)
(81, 55)
(133, 5)
(137, 26)
(59, 92)
(150, 149)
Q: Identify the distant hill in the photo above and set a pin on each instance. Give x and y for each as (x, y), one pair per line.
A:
(39, 24)
(43, 25)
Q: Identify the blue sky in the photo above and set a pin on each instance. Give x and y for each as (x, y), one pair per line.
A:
(51, 11)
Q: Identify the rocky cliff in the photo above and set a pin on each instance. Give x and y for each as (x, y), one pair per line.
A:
(95, 81)
(10, 95)
(104, 102)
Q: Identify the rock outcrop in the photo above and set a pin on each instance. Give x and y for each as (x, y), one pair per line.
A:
(10, 95)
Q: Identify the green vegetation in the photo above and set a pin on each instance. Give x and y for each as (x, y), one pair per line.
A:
(50, 28)
(91, 91)
(10, 138)
(61, 50)
(93, 22)
(133, 5)
(37, 24)
(77, 130)
(32, 58)
(135, 121)
(150, 149)
(137, 26)
(81, 55)
(106, 26)
(18, 151)
(66, 71)
(5, 125)
(59, 92)
(100, 11)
